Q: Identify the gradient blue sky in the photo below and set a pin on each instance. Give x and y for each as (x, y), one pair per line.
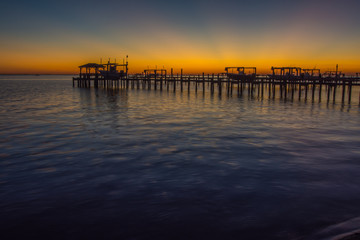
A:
(57, 36)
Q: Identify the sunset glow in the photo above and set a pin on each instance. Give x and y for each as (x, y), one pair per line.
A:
(199, 36)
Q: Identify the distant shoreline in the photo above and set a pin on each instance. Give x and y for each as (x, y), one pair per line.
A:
(35, 74)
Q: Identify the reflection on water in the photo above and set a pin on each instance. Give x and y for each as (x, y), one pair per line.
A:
(144, 164)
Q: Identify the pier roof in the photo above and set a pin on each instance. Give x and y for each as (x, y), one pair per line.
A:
(92, 65)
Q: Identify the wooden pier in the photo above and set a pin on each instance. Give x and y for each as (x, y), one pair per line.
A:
(289, 82)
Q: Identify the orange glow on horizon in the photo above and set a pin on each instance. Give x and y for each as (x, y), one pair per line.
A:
(30, 65)
(179, 53)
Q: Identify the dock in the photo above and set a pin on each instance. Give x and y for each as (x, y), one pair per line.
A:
(290, 82)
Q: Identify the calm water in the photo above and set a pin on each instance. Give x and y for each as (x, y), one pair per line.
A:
(139, 164)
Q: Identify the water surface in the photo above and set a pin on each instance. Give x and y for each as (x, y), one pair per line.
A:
(145, 164)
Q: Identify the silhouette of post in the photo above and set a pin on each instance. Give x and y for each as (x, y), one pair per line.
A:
(203, 75)
(350, 87)
(219, 84)
(181, 80)
(343, 92)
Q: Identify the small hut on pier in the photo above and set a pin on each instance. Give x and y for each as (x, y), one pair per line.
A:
(111, 71)
(241, 72)
(286, 72)
(91, 70)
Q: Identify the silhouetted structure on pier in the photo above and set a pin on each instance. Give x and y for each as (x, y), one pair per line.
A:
(311, 73)
(155, 72)
(286, 72)
(241, 73)
(101, 74)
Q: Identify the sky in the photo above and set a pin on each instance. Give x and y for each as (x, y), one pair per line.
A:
(199, 36)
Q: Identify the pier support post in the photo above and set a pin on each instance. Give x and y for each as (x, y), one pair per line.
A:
(212, 84)
(174, 82)
(196, 83)
(313, 91)
(274, 89)
(320, 89)
(203, 76)
(270, 80)
(155, 80)
(189, 81)
(350, 89)
(343, 91)
(161, 83)
(181, 80)
(228, 86)
(219, 84)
